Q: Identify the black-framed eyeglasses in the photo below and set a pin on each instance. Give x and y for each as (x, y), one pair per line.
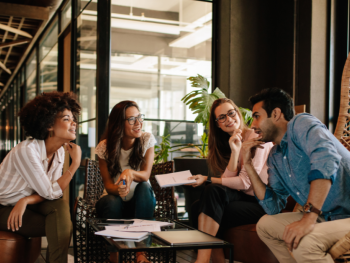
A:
(222, 118)
(132, 120)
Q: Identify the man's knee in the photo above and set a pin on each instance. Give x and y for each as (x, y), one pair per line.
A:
(308, 247)
(263, 225)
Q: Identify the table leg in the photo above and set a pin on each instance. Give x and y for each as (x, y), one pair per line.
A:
(174, 256)
(230, 260)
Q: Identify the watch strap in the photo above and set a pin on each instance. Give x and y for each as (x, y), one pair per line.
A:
(308, 207)
(315, 210)
(208, 181)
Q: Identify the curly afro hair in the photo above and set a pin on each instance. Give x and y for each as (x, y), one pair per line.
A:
(39, 114)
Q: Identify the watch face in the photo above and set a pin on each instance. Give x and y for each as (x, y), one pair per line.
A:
(307, 208)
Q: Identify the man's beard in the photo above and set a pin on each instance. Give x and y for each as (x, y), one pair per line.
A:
(270, 133)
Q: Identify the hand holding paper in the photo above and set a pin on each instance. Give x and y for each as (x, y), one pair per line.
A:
(174, 179)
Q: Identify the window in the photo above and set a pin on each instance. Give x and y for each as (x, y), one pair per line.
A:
(66, 15)
(31, 76)
(48, 59)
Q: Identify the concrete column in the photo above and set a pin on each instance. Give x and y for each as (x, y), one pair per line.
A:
(318, 85)
(256, 47)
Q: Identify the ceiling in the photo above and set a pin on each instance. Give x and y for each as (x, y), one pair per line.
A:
(21, 22)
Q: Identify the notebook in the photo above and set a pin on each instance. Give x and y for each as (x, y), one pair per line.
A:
(174, 179)
(191, 237)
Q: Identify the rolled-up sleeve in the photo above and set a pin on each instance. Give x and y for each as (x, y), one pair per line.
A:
(276, 195)
(28, 164)
(315, 140)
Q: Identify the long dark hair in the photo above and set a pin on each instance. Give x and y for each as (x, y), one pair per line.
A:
(219, 148)
(114, 135)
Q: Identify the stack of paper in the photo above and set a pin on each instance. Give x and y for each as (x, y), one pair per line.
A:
(120, 234)
(132, 232)
(174, 179)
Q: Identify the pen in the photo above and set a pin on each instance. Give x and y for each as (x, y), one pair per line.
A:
(124, 184)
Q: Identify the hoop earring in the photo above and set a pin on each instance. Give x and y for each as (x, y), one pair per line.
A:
(50, 133)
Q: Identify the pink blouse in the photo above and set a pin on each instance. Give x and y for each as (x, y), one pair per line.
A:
(239, 179)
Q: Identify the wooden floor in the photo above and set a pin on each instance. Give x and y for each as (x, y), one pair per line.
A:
(184, 256)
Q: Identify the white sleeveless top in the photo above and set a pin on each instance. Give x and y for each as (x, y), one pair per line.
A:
(148, 142)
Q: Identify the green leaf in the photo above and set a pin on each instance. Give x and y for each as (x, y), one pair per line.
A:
(199, 82)
(217, 92)
(247, 116)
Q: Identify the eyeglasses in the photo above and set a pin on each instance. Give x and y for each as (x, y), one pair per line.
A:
(222, 118)
(132, 120)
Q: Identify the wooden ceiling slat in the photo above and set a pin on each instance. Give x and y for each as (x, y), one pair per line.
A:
(27, 11)
(15, 37)
(14, 43)
(6, 32)
(9, 51)
(5, 68)
(15, 30)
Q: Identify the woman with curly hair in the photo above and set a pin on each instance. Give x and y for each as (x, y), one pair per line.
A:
(31, 179)
(228, 201)
(126, 156)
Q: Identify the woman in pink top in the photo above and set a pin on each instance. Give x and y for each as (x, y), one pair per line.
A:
(228, 200)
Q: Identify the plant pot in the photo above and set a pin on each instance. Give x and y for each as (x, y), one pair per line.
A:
(196, 166)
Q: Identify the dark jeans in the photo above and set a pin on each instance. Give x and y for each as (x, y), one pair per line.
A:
(141, 205)
(228, 207)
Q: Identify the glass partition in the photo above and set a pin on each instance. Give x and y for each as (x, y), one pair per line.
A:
(86, 63)
(49, 60)
(156, 46)
(31, 76)
(66, 15)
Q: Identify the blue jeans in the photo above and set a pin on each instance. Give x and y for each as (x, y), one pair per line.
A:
(141, 205)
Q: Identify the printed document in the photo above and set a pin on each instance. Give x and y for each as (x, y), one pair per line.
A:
(174, 179)
(127, 235)
(134, 228)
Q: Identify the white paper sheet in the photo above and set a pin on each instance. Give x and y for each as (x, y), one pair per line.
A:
(131, 240)
(127, 235)
(174, 179)
(135, 228)
(160, 223)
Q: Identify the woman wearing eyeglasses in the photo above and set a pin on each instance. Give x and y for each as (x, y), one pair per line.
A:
(126, 158)
(228, 200)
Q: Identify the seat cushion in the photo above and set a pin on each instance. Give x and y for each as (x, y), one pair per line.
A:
(17, 249)
(248, 247)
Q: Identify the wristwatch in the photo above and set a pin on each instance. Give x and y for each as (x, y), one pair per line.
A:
(308, 208)
(208, 181)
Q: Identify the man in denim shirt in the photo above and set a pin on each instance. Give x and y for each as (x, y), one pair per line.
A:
(309, 164)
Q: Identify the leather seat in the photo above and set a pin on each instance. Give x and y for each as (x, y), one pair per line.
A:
(15, 248)
(248, 247)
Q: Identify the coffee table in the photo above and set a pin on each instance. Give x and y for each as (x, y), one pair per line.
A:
(157, 250)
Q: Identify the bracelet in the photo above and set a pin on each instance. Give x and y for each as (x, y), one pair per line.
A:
(71, 176)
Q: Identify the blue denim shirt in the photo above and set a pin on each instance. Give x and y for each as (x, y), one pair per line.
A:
(308, 151)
